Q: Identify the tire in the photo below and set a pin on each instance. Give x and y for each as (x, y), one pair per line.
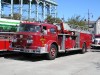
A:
(84, 48)
(52, 53)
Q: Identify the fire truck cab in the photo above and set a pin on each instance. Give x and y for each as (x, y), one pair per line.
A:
(49, 39)
(96, 41)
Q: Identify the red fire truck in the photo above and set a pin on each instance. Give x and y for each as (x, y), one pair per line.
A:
(7, 29)
(5, 40)
(49, 39)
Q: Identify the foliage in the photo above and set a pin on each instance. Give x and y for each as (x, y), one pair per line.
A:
(76, 20)
(16, 16)
(52, 20)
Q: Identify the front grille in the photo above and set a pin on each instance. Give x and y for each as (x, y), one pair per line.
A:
(95, 41)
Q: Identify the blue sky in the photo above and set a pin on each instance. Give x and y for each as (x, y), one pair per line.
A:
(69, 8)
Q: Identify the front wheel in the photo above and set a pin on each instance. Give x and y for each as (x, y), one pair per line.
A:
(52, 53)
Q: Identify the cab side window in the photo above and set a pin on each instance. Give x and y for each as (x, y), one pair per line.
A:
(45, 29)
(52, 30)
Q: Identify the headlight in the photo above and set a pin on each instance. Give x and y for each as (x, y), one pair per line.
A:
(14, 40)
(29, 41)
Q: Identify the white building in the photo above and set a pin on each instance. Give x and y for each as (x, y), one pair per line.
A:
(97, 27)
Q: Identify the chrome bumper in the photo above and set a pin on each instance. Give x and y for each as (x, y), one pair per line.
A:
(40, 50)
(95, 45)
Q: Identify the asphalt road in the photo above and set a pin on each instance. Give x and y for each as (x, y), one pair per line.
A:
(72, 63)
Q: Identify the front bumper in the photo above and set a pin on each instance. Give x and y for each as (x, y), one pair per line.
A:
(39, 50)
(95, 45)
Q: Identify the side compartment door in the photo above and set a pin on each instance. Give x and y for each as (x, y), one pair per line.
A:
(70, 42)
(77, 39)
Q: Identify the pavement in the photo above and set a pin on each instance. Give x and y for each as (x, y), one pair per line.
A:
(72, 63)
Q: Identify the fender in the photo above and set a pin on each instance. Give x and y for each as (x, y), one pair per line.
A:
(49, 43)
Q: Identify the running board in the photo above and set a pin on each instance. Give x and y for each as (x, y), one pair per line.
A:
(73, 49)
(62, 50)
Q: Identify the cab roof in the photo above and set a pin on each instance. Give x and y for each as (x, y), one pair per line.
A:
(38, 23)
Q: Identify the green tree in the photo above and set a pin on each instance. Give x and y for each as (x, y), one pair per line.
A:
(16, 16)
(52, 20)
(76, 20)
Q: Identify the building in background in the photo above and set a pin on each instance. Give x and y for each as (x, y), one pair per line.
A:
(94, 26)
(91, 26)
(97, 27)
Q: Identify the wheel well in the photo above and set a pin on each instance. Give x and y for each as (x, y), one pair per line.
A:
(54, 43)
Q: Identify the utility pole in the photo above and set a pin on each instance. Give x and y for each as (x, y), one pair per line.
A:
(88, 18)
(89, 14)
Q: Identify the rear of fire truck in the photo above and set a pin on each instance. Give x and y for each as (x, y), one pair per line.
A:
(72, 37)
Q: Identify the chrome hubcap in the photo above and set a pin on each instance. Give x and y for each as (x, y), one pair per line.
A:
(53, 52)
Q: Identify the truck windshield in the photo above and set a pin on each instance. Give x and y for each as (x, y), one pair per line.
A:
(29, 28)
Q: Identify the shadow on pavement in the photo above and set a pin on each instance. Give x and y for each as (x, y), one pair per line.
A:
(96, 49)
(68, 54)
(33, 57)
(25, 57)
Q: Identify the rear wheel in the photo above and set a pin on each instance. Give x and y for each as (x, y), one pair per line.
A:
(84, 48)
(52, 53)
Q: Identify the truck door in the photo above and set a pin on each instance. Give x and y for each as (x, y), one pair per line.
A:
(50, 33)
(53, 34)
